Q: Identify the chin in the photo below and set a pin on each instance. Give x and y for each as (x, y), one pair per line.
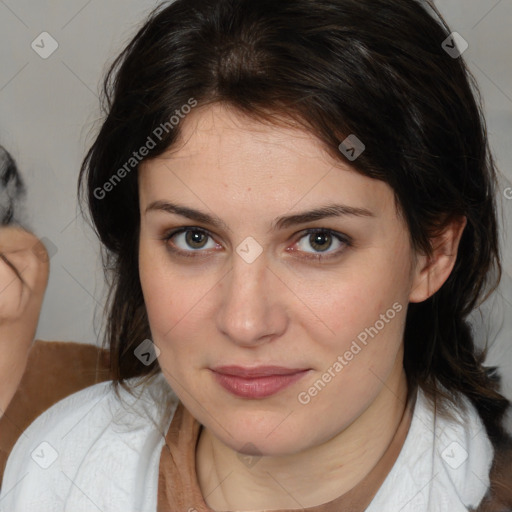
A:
(264, 438)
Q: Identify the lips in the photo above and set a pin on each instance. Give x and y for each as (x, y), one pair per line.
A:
(256, 383)
(259, 371)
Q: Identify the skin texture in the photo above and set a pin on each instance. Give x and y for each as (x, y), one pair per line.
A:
(19, 305)
(281, 309)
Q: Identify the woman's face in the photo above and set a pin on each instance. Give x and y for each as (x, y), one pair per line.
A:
(250, 279)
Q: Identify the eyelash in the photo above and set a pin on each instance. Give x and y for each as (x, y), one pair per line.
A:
(344, 239)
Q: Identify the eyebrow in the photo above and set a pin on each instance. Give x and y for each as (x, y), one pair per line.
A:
(333, 210)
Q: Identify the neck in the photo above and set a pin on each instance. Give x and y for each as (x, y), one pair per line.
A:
(308, 478)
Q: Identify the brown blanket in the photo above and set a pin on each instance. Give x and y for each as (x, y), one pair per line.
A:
(54, 371)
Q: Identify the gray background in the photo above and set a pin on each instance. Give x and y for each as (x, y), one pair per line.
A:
(49, 111)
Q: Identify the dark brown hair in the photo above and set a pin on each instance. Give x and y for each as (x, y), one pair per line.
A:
(373, 68)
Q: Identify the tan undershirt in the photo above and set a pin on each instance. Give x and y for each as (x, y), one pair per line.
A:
(179, 491)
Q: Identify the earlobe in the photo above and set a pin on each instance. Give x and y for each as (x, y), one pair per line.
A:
(431, 272)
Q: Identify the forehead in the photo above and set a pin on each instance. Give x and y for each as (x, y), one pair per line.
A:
(222, 152)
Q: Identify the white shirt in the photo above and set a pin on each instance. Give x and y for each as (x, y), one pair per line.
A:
(95, 452)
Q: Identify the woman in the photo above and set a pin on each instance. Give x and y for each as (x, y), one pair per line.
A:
(23, 277)
(296, 200)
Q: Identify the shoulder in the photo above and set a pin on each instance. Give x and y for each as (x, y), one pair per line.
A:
(91, 450)
(444, 464)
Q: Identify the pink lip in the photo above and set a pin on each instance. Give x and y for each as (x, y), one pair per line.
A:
(259, 382)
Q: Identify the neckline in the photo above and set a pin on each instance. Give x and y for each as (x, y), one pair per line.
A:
(178, 486)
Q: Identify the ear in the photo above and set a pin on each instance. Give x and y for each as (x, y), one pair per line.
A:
(432, 271)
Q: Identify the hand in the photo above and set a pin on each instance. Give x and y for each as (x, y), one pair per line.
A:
(24, 269)
(23, 272)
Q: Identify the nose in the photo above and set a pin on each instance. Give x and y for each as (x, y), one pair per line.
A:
(252, 309)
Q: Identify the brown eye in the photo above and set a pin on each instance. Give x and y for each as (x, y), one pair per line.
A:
(190, 241)
(317, 243)
(320, 241)
(196, 239)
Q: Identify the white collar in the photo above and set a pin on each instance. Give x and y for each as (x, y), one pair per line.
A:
(444, 464)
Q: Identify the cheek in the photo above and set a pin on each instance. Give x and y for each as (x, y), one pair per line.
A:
(160, 297)
(357, 343)
(346, 304)
(364, 337)
(174, 302)
(163, 305)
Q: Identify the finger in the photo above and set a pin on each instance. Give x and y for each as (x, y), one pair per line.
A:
(4, 258)
(24, 266)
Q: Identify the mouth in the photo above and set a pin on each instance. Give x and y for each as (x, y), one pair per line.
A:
(256, 383)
